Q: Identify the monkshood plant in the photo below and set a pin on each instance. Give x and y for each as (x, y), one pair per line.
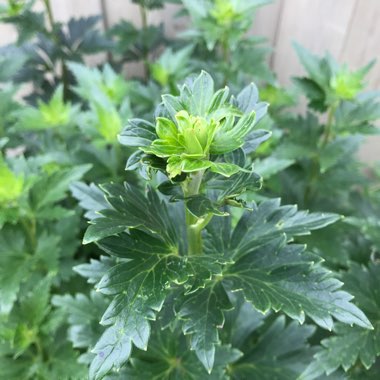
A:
(39, 238)
(44, 46)
(219, 30)
(194, 276)
(324, 173)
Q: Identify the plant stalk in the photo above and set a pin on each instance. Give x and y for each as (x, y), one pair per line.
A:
(49, 14)
(194, 225)
(329, 124)
(144, 23)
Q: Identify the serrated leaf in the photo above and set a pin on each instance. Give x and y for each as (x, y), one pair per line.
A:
(285, 277)
(131, 209)
(95, 269)
(168, 348)
(271, 165)
(14, 266)
(203, 316)
(140, 287)
(269, 358)
(269, 220)
(202, 94)
(236, 185)
(52, 188)
(90, 198)
(338, 150)
(352, 344)
(138, 133)
(200, 205)
(84, 314)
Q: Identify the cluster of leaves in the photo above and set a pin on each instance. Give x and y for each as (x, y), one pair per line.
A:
(45, 49)
(324, 174)
(176, 264)
(219, 29)
(191, 264)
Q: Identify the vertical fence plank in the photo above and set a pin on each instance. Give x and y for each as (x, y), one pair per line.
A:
(319, 25)
(118, 10)
(362, 44)
(266, 20)
(64, 10)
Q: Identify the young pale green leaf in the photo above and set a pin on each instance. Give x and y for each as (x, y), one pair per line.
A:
(228, 139)
(138, 133)
(224, 168)
(202, 94)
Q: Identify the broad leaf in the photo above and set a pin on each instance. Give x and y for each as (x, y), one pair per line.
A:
(352, 344)
(271, 358)
(203, 316)
(284, 277)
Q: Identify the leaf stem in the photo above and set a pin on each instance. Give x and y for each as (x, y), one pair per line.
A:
(29, 226)
(329, 124)
(226, 56)
(49, 14)
(194, 225)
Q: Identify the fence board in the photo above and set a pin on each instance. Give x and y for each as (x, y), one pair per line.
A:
(319, 25)
(64, 10)
(349, 29)
(266, 21)
(362, 42)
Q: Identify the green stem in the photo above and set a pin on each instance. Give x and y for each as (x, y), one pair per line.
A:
(30, 229)
(49, 14)
(329, 124)
(144, 23)
(226, 55)
(315, 166)
(194, 225)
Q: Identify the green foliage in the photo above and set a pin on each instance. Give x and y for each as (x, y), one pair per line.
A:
(325, 175)
(197, 274)
(351, 345)
(156, 276)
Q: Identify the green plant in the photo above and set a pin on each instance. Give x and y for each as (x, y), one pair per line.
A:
(186, 267)
(323, 173)
(45, 48)
(198, 274)
(219, 28)
(38, 242)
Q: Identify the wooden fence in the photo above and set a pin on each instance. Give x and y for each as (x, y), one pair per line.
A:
(349, 29)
